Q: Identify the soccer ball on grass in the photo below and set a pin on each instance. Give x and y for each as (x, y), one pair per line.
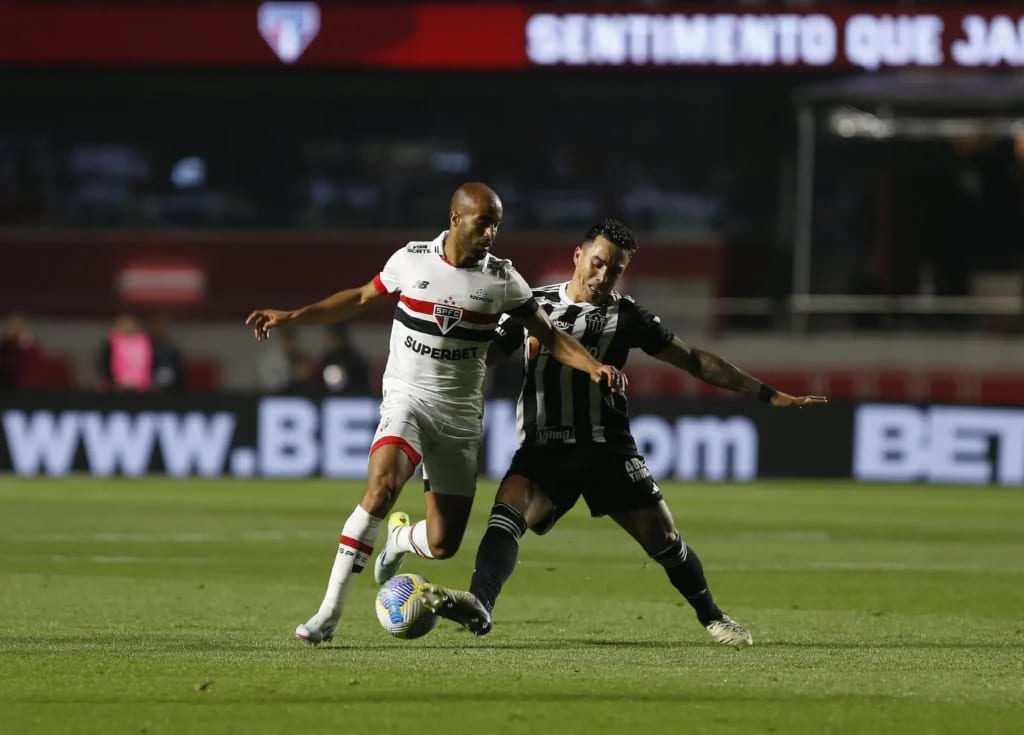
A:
(401, 609)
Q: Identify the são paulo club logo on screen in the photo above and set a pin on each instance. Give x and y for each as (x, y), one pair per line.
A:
(288, 28)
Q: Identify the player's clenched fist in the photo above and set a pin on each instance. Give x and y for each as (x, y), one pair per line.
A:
(610, 376)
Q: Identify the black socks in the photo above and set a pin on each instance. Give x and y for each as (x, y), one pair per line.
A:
(498, 552)
(685, 572)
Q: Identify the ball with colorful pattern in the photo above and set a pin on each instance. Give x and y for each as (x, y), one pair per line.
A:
(401, 609)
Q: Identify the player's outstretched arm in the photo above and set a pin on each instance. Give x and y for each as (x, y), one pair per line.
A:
(337, 307)
(569, 351)
(716, 370)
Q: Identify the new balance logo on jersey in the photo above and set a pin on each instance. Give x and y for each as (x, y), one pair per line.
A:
(481, 295)
(421, 284)
(447, 316)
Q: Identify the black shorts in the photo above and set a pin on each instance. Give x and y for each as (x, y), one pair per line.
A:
(608, 482)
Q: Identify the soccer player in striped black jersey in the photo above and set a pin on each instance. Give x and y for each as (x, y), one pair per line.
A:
(451, 293)
(574, 443)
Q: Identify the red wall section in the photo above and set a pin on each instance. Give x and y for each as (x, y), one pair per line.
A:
(75, 274)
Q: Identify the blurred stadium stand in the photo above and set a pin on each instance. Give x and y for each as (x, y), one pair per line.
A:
(888, 266)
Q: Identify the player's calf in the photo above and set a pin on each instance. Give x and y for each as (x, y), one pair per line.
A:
(686, 573)
(497, 554)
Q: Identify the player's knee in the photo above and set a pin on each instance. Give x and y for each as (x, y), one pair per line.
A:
(518, 492)
(515, 495)
(670, 551)
(444, 549)
(381, 493)
(444, 543)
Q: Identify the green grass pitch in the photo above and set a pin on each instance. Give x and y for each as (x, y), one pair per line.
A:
(153, 606)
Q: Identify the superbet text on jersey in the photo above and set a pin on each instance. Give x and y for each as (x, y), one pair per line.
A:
(444, 320)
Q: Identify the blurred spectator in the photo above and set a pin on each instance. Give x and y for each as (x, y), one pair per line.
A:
(286, 367)
(345, 370)
(19, 353)
(126, 357)
(168, 365)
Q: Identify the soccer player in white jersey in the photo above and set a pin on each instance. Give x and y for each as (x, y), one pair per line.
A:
(573, 444)
(451, 293)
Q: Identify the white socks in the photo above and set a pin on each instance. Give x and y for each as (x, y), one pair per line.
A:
(413, 539)
(354, 549)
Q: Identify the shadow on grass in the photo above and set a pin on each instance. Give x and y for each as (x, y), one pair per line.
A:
(129, 645)
(572, 644)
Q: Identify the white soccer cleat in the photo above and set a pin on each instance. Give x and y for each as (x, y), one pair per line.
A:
(318, 629)
(457, 605)
(730, 633)
(389, 560)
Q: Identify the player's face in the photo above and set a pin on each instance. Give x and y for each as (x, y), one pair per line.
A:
(599, 264)
(476, 228)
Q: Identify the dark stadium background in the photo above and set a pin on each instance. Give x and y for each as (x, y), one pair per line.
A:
(830, 197)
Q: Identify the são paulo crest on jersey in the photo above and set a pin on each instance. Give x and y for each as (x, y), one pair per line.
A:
(448, 315)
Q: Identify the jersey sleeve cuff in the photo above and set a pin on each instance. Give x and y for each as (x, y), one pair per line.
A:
(661, 345)
(525, 310)
(379, 285)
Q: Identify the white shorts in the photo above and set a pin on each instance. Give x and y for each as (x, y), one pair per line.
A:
(448, 446)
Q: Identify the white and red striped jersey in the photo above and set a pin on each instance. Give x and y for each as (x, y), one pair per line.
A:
(444, 321)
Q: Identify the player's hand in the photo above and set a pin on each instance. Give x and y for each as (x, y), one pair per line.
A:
(611, 376)
(784, 400)
(263, 320)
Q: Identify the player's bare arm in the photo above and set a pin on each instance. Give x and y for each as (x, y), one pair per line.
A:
(337, 307)
(711, 368)
(569, 351)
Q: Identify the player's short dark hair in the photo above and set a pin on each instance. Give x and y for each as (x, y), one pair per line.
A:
(616, 232)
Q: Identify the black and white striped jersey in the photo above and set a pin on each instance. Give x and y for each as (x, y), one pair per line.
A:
(558, 405)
